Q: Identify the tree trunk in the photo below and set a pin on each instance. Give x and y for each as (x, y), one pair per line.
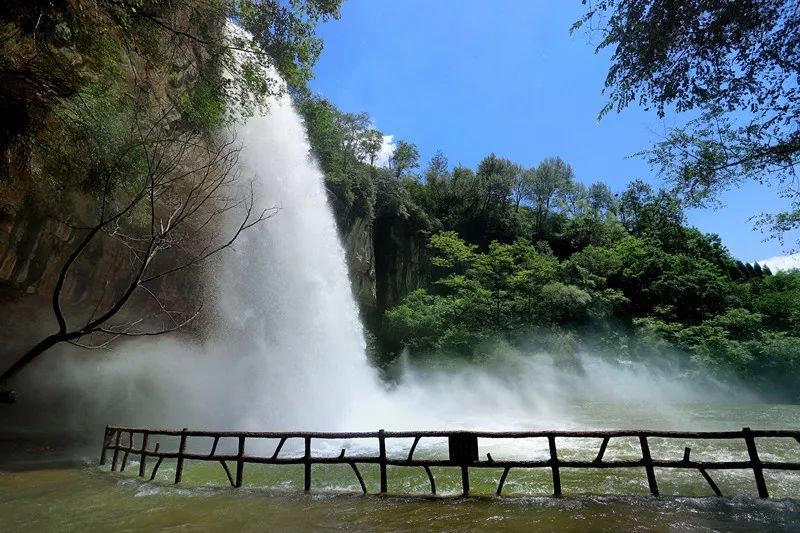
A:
(7, 395)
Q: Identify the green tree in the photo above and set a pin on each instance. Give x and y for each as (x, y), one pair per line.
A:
(369, 146)
(437, 169)
(582, 231)
(522, 180)
(325, 133)
(601, 200)
(553, 177)
(647, 213)
(405, 158)
(532, 270)
(735, 64)
(353, 128)
(419, 321)
(493, 271)
(564, 303)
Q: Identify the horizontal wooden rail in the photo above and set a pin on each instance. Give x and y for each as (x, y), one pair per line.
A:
(463, 453)
(597, 434)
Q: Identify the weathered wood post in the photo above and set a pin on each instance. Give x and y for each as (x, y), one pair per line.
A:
(127, 452)
(503, 477)
(116, 451)
(143, 458)
(240, 463)
(551, 441)
(430, 478)
(755, 462)
(307, 464)
(104, 450)
(158, 463)
(382, 454)
(181, 451)
(464, 480)
(463, 450)
(648, 465)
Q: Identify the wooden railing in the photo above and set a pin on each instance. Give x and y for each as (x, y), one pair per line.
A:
(462, 448)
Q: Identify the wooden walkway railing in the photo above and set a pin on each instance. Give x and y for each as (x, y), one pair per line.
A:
(462, 447)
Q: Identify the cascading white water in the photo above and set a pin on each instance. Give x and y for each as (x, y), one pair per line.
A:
(285, 295)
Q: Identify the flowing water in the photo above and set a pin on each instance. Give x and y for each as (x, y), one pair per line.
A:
(287, 352)
(84, 498)
(284, 295)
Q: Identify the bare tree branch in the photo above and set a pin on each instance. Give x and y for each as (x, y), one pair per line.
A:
(187, 192)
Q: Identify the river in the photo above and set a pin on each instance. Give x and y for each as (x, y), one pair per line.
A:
(79, 496)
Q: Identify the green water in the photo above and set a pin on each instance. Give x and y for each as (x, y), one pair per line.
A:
(87, 500)
(84, 497)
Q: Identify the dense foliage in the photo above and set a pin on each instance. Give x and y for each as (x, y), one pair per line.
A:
(534, 257)
(735, 65)
(76, 75)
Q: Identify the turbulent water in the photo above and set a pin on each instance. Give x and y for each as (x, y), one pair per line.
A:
(87, 499)
(69, 500)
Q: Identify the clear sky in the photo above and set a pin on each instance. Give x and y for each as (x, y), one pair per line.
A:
(471, 77)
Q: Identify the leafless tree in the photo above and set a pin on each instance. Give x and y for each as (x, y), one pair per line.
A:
(168, 218)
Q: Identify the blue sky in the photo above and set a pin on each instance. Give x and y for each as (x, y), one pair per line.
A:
(471, 77)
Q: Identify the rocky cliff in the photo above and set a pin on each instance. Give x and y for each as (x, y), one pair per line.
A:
(358, 241)
(386, 259)
(400, 260)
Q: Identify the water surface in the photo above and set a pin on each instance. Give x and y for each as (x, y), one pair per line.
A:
(82, 497)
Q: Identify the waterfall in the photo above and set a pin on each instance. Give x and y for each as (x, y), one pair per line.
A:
(284, 293)
(282, 346)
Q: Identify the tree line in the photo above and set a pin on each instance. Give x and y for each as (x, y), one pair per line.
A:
(535, 257)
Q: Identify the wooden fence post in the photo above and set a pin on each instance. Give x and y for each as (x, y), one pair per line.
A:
(103, 451)
(464, 480)
(143, 458)
(240, 463)
(506, 470)
(463, 450)
(551, 440)
(127, 452)
(648, 465)
(116, 451)
(382, 453)
(307, 458)
(755, 462)
(181, 451)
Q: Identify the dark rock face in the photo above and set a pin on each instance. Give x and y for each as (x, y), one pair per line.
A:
(386, 260)
(400, 261)
(34, 245)
(357, 239)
